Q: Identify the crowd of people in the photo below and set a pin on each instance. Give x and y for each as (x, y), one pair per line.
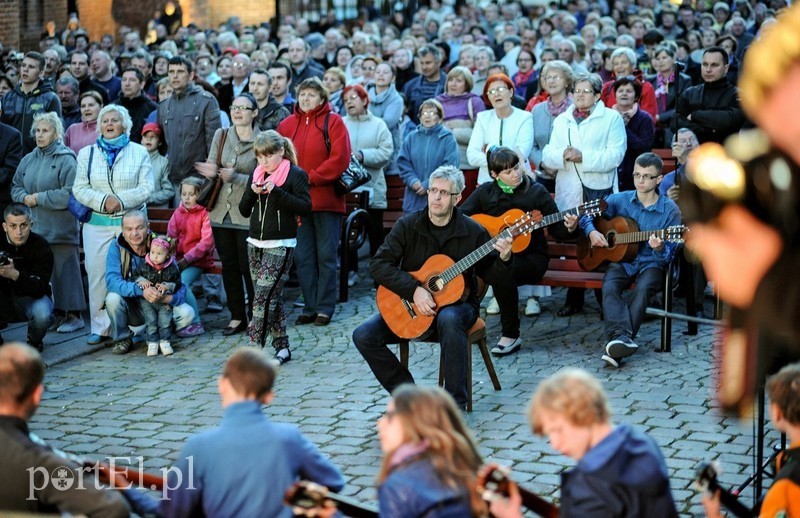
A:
(245, 133)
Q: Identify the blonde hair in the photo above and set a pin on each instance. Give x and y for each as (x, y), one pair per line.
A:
(463, 72)
(270, 142)
(572, 393)
(429, 414)
(768, 60)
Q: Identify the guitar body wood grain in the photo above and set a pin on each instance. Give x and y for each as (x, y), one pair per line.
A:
(402, 316)
(591, 257)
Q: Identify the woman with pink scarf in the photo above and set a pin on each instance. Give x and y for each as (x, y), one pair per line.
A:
(277, 197)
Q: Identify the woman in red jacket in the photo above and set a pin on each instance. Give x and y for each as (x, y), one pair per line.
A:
(318, 234)
(191, 227)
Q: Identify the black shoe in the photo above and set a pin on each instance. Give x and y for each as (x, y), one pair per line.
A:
(569, 310)
(283, 355)
(228, 331)
(122, 346)
(305, 319)
(322, 320)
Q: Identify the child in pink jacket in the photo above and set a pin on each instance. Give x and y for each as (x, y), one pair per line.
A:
(191, 227)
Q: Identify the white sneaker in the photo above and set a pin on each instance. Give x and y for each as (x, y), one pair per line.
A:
(166, 348)
(532, 307)
(71, 324)
(493, 308)
(152, 348)
(352, 279)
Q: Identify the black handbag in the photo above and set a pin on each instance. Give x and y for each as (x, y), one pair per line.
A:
(81, 212)
(354, 176)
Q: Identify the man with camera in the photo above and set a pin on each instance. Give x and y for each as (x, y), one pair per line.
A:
(26, 265)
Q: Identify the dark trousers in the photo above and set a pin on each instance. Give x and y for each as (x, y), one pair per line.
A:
(231, 246)
(376, 237)
(621, 317)
(526, 269)
(450, 329)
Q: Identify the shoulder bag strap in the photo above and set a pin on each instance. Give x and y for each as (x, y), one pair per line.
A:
(222, 138)
(471, 111)
(325, 133)
(89, 170)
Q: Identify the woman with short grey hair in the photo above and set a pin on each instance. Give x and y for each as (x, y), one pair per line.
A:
(114, 176)
(43, 182)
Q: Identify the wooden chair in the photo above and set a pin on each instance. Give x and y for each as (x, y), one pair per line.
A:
(476, 336)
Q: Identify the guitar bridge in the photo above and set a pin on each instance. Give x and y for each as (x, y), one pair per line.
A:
(409, 308)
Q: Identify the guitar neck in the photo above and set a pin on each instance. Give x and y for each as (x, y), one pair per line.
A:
(537, 504)
(352, 507)
(470, 260)
(552, 219)
(638, 237)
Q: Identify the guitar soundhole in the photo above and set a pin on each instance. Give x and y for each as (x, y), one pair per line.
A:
(611, 237)
(435, 284)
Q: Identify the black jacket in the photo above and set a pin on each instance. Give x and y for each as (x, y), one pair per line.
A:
(489, 199)
(714, 108)
(410, 244)
(139, 108)
(34, 261)
(19, 109)
(225, 96)
(10, 156)
(276, 213)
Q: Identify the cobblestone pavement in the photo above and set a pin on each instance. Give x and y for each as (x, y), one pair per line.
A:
(104, 405)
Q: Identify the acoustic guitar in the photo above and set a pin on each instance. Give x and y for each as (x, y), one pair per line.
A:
(496, 224)
(707, 480)
(494, 480)
(443, 278)
(308, 495)
(623, 236)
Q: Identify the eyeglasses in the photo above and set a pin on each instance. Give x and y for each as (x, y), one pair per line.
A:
(428, 113)
(553, 78)
(240, 108)
(498, 90)
(239, 65)
(354, 96)
(524, 60)
(587, 91)
(436, 193)
(644, 177)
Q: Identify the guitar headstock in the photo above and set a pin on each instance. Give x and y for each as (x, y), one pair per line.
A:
(523, 225)
(706, 476)
(493, 480)
(306, 495)
(593, 208)
(675, 233)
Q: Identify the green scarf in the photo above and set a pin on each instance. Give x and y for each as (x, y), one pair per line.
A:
(504, 186)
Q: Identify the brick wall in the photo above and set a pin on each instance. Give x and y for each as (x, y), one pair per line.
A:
(23, 29)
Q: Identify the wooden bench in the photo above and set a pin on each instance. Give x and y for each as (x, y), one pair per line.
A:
(159, 221)
(395, 190)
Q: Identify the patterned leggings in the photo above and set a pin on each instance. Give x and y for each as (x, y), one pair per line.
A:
(269, 268)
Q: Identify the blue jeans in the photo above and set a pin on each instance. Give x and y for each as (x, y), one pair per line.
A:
(450, 326)
(315, 257)
(625, 318)
(124, 312)
(37, 312)
(188, 276)
(157, 320)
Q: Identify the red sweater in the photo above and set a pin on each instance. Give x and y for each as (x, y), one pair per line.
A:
(305, 132)
(192, 229)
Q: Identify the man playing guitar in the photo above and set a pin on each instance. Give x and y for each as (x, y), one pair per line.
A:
(650, 211)
(440, 228)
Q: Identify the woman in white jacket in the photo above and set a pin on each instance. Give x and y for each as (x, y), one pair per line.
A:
(502, 126)
(372, 143)
(586, 148)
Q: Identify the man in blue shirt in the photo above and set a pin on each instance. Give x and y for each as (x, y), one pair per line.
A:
(651, 211)
(243, 467)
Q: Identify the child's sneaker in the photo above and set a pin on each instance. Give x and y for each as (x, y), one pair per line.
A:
(166, 348)
(152, 348)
